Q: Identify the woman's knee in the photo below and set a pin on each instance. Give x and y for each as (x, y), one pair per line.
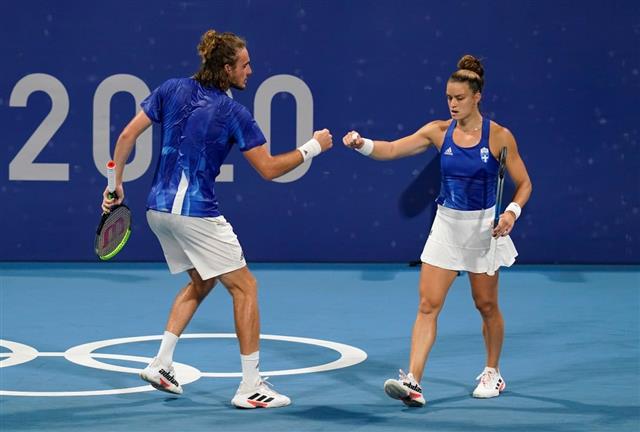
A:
(487, 308)
(429, 306)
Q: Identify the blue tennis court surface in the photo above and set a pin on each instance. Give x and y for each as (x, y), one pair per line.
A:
(571, 356)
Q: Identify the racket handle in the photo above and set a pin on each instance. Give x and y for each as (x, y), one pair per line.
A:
(111, 178)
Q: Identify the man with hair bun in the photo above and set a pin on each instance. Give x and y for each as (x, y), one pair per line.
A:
(200, 124)
(460, 237)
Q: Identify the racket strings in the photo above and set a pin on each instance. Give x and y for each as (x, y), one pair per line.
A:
(114, 230)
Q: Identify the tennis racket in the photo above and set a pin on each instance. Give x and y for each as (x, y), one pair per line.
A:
(114, 228)
(499, 188)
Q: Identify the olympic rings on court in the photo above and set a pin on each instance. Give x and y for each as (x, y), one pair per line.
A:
(84, 355)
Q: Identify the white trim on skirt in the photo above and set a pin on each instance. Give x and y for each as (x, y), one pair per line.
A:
(460, 240)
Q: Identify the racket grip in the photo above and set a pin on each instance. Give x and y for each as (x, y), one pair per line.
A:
(111, 178)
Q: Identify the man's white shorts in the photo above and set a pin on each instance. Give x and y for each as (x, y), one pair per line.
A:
(207, 244)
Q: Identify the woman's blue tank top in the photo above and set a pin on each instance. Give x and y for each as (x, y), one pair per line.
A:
(468, 175)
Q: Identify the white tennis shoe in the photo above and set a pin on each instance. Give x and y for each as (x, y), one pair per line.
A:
(259, 396)
(161, 377)
(490, 385)
(406, 388)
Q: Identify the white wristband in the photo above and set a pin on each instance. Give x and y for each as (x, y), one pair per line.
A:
(367, 147)
(310, 149)
(515, 208)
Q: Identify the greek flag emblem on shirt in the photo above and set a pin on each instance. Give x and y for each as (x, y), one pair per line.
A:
(484, 154)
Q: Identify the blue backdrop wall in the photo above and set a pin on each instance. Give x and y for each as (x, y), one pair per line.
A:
(563, 76)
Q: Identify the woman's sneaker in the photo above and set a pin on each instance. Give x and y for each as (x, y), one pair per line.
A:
(406, 388)
(161, 377)
(259, 396)
(491, 384)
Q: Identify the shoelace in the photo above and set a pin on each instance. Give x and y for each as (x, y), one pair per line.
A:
(406, 377)
(169, 369)
(485, 377)
(266, 386)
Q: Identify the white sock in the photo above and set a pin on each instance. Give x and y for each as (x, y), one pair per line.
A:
(167, 346)
(250, 368)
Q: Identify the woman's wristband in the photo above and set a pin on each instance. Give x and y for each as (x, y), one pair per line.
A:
(515, 208)
(367, 147)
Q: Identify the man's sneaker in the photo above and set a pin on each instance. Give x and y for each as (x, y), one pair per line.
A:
(491, 384)
(259, 396)
(406, 388)
(161, 377)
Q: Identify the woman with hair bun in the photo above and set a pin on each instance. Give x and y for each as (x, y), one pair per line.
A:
(460, 237)
(200, 125)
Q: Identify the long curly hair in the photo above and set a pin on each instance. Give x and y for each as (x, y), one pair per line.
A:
(217, 50)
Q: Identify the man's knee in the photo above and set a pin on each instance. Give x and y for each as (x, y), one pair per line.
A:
(202, 288)
(245, 285)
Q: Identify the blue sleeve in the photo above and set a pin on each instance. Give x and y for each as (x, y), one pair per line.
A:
(244, 130)
(152, 105)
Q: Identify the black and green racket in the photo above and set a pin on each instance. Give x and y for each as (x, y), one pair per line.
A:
(114, 228)
(499, 189)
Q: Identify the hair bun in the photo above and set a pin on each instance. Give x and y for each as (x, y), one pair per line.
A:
(469, 62)
(207, 44)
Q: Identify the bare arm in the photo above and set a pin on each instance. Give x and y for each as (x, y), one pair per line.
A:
(518, 173)
(270, 167)
(124, 146)
(410, 145)
(516, 168)
(127, 140)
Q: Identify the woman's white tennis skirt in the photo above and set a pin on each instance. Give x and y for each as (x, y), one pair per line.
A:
(460, 240)
(207, 244)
